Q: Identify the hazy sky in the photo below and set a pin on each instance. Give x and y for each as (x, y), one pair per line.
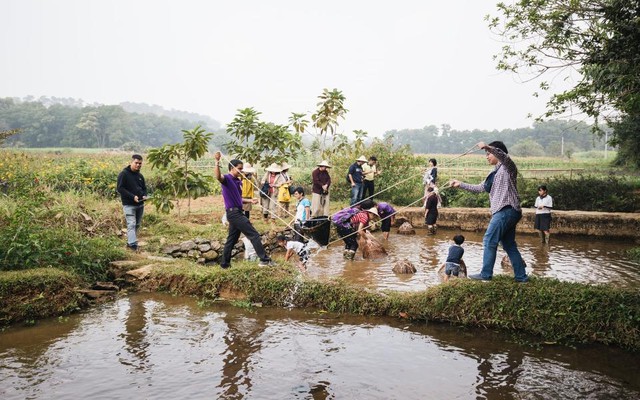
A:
(400, 64)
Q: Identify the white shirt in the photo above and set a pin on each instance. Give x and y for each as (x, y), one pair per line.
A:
(545, 202)
(297, 247)
(249, 251)
(301, 212)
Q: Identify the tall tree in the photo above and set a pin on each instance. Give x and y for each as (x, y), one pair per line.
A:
(179, 179)
(326, 120)
(598, 39)
(261, 142)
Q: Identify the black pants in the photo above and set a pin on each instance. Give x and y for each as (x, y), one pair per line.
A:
(238, 224)
(350, 242)
(368, 189)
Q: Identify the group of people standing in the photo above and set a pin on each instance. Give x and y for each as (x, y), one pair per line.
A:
(277, 190)
(238, 195)
(361, 176)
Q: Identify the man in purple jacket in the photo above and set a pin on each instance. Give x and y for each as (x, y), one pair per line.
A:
(238, 222)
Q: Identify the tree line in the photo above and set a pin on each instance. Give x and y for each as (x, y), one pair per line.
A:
(544, 138)
(64, 122)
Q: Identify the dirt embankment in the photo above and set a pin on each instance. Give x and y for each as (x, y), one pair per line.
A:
(599, 224)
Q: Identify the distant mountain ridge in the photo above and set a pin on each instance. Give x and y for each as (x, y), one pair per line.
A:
(68, 122)
(129, 106)
(143, 108)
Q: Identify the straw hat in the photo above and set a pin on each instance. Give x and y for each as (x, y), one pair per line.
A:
(373, 210)
(324, 163)
(248, 169)
(362, 158)
(274, 168)
(285, 166)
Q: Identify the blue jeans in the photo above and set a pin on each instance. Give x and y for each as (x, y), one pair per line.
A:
(502, 229)
(133, 216)
(356, 193)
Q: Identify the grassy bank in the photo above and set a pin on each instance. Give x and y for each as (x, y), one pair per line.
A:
(60, 226)
(552, 310)
(26, 296)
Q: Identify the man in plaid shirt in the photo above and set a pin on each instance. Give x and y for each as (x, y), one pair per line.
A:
(501, 184)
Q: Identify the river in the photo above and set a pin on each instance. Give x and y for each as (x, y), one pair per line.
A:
(157, 346)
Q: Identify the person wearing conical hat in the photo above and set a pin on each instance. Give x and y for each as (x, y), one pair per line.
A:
(369, 171)
(283, 200)
(269, 185)
(249, 184)
(321, 181)
(354, 178)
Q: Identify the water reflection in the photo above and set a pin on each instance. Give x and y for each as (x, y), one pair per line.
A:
(243, 339)
(158, 346)
(135, 333)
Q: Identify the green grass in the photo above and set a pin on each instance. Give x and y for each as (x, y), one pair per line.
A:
(69, 150)
(26, 296)
(552, 310)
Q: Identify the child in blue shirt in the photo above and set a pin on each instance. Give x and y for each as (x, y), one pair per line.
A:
(303, 212)
(452, 265)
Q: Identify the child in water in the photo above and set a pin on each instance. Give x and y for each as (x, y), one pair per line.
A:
(431, 210)
(452, 265)
(543, 205)
(295, 247)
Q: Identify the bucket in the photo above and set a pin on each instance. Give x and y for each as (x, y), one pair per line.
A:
(318, 229)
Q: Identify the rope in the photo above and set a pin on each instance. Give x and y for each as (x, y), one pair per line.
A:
(469, 151)
(370, 224)
(446, 185)
(267, 195)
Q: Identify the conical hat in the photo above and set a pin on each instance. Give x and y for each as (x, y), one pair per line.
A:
(285, 166)
(274, 168)
(248, 169)
(373, 210)
(324, 163)
(362, 158)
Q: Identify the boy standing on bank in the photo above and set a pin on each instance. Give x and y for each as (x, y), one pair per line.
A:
(543, 205)
(238, 222)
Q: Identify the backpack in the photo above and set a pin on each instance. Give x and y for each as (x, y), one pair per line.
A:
(342, 218)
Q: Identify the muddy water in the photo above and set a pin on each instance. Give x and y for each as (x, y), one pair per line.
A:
(568, 258)
(159, 347)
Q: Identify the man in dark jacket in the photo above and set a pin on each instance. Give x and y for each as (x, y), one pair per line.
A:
(133, 192)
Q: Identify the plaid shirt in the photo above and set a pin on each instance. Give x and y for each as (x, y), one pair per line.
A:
(504, 191)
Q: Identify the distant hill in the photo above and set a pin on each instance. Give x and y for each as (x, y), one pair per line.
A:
(199, 119)
(67, 122)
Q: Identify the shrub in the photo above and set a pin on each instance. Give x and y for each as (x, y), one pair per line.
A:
(401, 173)
(585, 192)
(30, 238)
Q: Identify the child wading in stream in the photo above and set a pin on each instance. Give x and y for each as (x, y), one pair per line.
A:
(295, 247)
(431, 211)
(543, 205)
